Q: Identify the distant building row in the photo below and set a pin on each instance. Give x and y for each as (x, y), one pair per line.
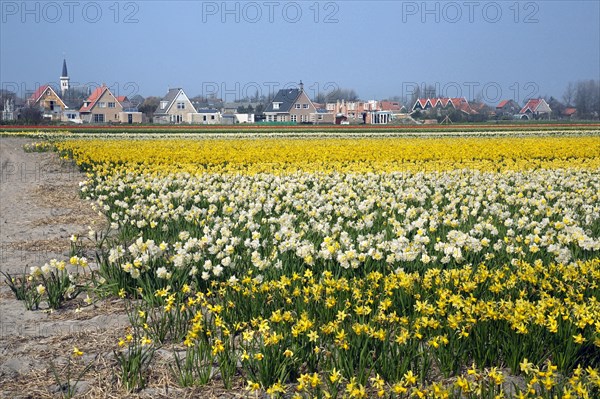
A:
(292, 106)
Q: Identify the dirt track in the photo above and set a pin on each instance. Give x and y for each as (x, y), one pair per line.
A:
(39, 210)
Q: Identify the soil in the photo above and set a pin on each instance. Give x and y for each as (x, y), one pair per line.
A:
(40, 208)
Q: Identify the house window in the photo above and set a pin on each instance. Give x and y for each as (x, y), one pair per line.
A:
(99, 118)
(163, 104)
(297, 106)
(181, 105)
(276, 105)
(101, 105)
(204, 118)
(320, 117)
(294, 118)
(303, 118)
(111, 105)
(212, 117)
(305, 106)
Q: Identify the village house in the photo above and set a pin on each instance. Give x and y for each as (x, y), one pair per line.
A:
(507, 108)
(536, 108)
(175, 107)
(569, 112)
(367, 112)
(50, 103)
(457, 103)
(103, 107)
(293, 105)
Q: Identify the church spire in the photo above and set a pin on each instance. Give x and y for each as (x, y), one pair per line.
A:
(64, 71)
(64, 78)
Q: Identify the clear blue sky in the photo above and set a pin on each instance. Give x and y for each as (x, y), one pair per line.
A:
(378, 48)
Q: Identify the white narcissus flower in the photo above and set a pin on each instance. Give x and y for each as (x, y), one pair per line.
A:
(163, 273)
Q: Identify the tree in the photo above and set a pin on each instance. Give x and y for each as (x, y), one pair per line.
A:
(556, 106)
(338, 94)
(587, 99)
(31, 115)
(429, 91)
(321, 98)
(569, 94)
(414, 97)
(148, 107)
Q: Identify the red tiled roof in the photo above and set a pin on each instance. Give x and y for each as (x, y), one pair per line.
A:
(531, 105)
(122, 99)
(458, 102)
(502, 103)
(477, 106)
(423, 102)
(38, 93)
(93, 98)
(444, 101)
(390, 106)
(569, 111)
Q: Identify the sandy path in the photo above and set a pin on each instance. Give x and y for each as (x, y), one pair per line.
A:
(39, 210)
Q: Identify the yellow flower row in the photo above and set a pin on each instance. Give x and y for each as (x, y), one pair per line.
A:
(341, 155)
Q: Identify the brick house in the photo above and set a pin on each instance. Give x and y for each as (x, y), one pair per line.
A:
(507, 108)
(293, 105)
(103, 107)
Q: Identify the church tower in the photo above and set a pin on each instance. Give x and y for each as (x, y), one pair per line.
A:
(64, 78)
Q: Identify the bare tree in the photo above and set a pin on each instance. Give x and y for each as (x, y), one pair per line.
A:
(341, 94)
(415, 96)
(569, 94)
(429, 91)
(31, 115)
(587, 99)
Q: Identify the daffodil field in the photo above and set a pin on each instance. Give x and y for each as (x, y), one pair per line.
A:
(352, 267)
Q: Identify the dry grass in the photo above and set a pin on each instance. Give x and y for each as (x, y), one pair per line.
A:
(68, 207)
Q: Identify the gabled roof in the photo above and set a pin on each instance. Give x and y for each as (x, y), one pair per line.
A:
(286, 99)
(459, 103)
(569, 111)
(422, 102)
(94, 97)
(444, 101)
(122, 99)
(169, 98)
(477, 107)
(533, 105)
(503, 103)
(37, 95)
